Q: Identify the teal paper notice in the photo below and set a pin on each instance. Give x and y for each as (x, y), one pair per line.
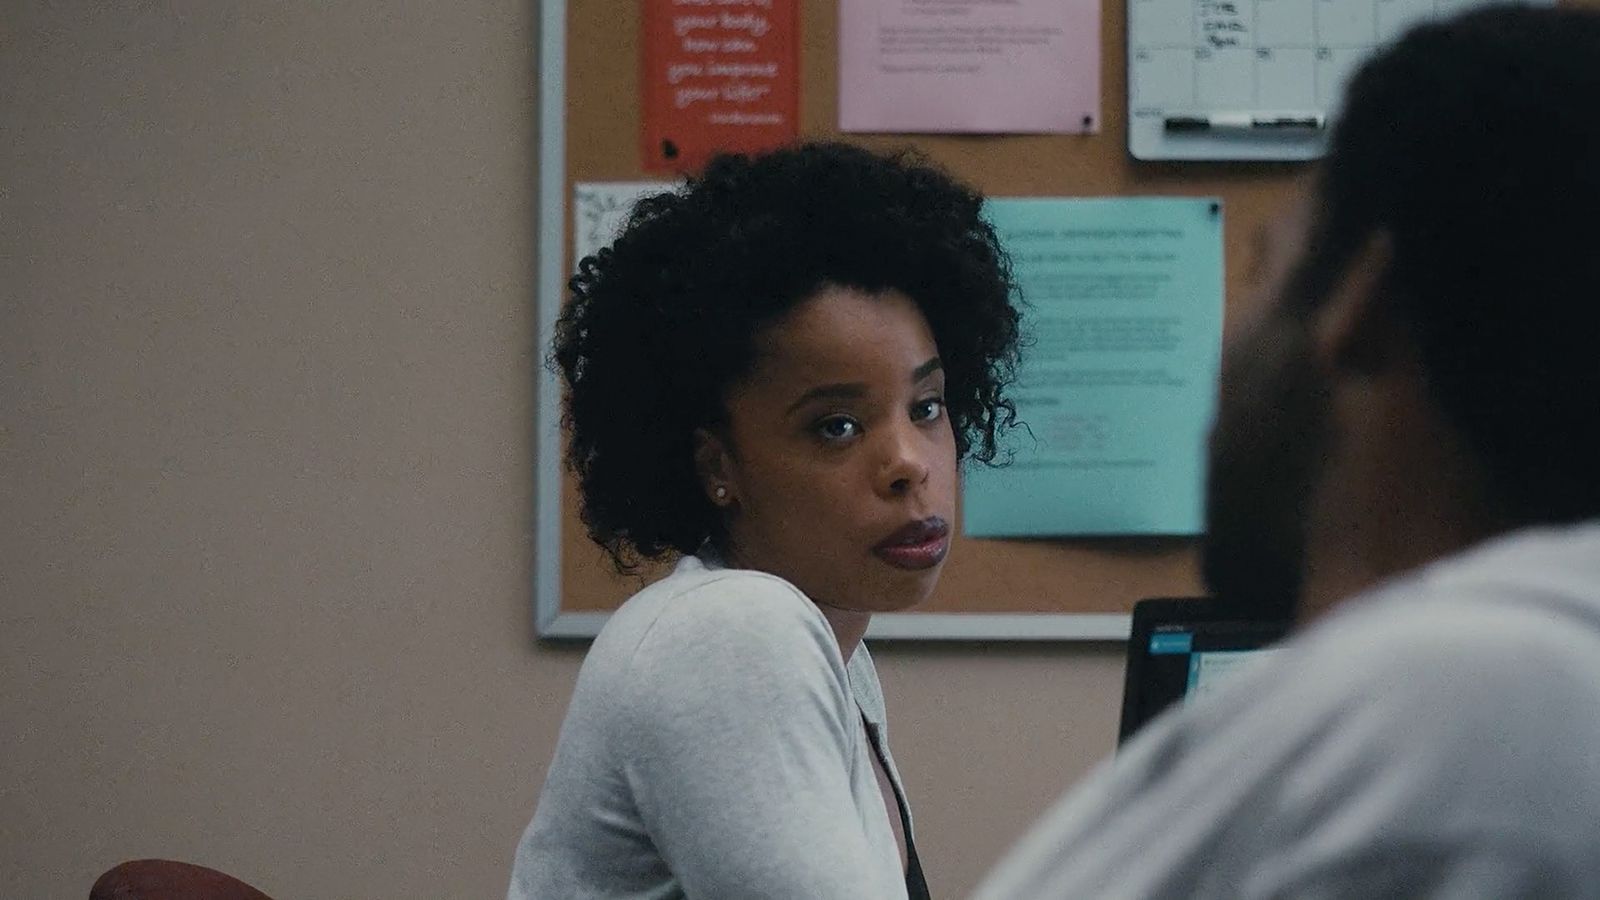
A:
(1123, 315)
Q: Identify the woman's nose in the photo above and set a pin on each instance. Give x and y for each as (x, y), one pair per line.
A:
(905, 465)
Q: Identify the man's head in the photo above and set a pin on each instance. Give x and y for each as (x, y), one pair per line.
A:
(1427, 327)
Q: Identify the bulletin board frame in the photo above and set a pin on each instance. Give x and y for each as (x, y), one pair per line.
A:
(1123, 570)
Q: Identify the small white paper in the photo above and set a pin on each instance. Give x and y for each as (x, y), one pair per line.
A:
(601, 208)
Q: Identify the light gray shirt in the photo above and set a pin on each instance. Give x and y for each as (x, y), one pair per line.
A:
(1439, 737)
(716, 746)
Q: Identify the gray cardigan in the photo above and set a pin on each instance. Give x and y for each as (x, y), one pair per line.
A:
(715, 747)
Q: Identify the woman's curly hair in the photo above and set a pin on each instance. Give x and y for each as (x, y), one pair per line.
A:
(663, 321)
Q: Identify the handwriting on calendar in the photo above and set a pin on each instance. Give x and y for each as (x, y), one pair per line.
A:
(1222, 24)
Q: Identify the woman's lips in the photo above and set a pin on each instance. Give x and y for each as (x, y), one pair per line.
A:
(917, 545)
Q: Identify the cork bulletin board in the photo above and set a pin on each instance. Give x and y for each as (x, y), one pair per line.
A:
(1040, 589)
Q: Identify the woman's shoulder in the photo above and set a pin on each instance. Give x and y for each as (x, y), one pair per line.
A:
(696, 594)
(721, 614)
(705, 643)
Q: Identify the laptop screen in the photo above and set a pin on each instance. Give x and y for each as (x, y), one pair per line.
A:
(1180, 649)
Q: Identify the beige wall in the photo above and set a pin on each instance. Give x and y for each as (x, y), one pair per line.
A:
(265, 376)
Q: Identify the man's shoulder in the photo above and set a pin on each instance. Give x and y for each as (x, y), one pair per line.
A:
(1483, 702)
(1453, 723)
(1446, 643)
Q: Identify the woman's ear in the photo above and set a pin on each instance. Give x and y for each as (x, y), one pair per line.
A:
(713, 463)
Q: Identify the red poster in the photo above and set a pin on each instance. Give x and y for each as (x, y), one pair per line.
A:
(718, 75)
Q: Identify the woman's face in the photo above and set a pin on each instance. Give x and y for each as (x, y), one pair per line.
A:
(838, 462)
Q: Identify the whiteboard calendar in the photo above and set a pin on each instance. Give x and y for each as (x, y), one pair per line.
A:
(1251, 79)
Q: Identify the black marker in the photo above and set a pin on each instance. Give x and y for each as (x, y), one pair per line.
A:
(1246, 122)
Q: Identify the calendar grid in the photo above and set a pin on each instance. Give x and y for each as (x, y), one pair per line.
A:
(1194, 58)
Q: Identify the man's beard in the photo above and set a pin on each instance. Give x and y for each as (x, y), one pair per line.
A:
(1266, 456)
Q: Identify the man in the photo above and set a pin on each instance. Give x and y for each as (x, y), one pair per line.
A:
(1408, 452)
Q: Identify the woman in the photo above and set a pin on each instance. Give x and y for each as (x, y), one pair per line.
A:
(771, 375)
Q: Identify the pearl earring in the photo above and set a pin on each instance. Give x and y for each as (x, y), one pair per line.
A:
(722, 493)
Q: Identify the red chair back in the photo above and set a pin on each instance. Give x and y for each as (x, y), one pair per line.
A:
(161, 879)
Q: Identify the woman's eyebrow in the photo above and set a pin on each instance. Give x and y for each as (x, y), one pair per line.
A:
(847, 391)
(854, 390)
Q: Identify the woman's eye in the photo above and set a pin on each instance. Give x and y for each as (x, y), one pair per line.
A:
(838, 428)
(928, 410)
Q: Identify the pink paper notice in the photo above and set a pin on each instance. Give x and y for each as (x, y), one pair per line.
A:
(990, 66)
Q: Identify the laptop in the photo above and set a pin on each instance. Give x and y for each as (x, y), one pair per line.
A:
(1184, 648)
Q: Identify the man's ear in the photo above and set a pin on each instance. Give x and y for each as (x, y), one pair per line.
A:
(1355, 329)
(713, 463)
